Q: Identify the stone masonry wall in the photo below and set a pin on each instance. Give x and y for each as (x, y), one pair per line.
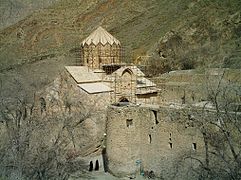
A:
(151, 139)
(193, 86)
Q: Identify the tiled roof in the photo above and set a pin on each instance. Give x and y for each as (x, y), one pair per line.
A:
(100, 35)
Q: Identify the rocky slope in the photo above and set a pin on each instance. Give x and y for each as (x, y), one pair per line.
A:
(11, 11)
(211, 39)
(179, 34)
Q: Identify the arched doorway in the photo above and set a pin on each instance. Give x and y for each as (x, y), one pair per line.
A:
(91, 166)
(97, 166)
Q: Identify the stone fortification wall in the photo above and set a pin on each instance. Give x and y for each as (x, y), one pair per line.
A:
(193, 86)
(147, 99)
(150, 139)
(182, 93)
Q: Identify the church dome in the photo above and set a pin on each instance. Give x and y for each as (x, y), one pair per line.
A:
(100, 35)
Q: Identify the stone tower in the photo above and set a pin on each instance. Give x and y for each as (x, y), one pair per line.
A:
(100, 48)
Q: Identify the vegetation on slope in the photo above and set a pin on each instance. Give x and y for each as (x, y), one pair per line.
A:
(11, 11)
(179, 34)
(138, 24)
(209, 36)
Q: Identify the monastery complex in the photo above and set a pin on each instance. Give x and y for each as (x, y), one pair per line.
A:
(147, 124)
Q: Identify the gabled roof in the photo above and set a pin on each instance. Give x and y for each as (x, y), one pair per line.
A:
(93, 88)
(82, 74)
(100, 35)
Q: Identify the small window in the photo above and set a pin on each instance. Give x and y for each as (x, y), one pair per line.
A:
(193, 96)
(170, 144)
(150, 138)
(97, 165)
(42, 105)
(155, 115)
(129, 122)
(91, 166)
(194, 146)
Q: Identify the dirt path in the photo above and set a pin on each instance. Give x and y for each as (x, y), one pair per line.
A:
(99, 176)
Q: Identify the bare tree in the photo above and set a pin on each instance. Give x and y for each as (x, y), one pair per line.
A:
(28, 148)
(221, 128)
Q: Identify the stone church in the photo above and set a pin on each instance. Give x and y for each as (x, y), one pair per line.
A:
(103, 72)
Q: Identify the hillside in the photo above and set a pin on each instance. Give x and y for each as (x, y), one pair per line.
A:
(208, 37)
(179, 34)
(11, 11)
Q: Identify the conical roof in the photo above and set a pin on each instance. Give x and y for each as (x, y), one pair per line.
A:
(100, 35)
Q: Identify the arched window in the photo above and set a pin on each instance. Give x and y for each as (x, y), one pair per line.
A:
(91, 166)
(97, 166)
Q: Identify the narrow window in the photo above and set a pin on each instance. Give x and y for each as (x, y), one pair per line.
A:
(97, 166)
(193, 96)
(184, 98)
(194, 146)
(170, 144)
(189, 116)
(150, 138)
(91, 166)
(42, 105)
(129, 122)
(155, 115)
